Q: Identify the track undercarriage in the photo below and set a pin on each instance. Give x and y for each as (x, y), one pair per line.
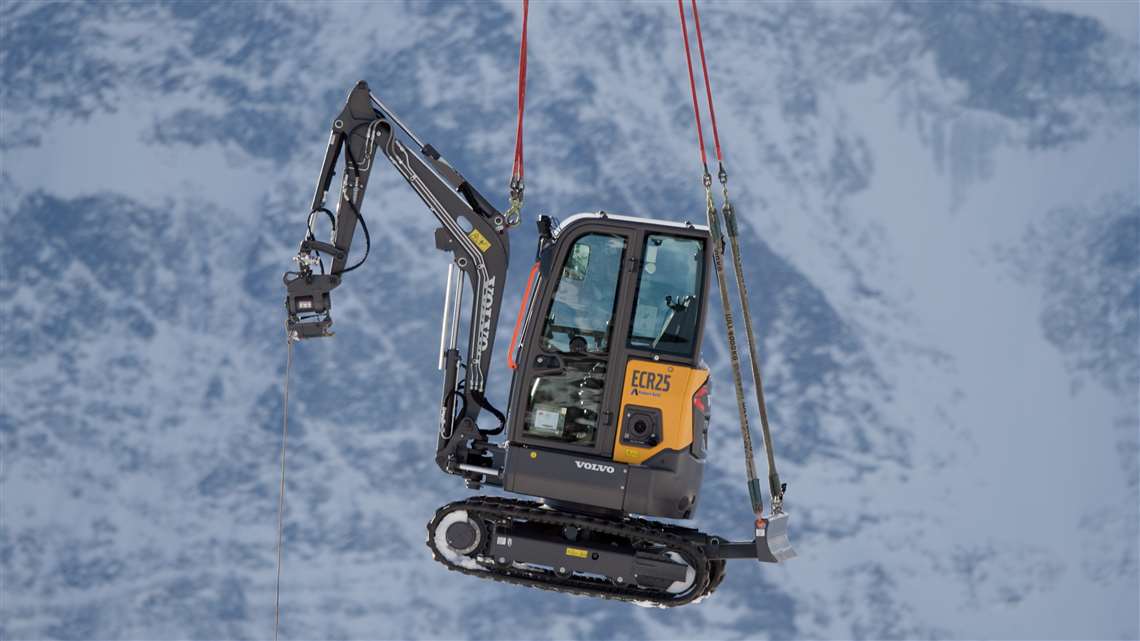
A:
(622, 558)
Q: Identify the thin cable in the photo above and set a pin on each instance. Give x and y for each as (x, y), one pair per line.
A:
(693, 85)
(281, 490)
(708, 83)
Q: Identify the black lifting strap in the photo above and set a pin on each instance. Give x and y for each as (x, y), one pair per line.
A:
(733, 352)
(775, 486)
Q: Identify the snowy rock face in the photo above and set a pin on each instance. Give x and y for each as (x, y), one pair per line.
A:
(941, 236)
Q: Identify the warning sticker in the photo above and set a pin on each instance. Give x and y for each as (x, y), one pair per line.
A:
(480, 240)
(580, 553)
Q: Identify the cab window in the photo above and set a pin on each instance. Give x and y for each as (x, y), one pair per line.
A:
(668, 304)
(581, 314)
(565, 406)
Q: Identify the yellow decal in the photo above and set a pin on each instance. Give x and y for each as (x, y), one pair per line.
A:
(647, 383)
(480, 240)
(581, 554)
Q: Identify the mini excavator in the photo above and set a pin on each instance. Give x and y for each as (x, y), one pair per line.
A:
(608, 416)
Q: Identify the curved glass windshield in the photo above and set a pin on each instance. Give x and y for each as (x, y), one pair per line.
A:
(668, 305)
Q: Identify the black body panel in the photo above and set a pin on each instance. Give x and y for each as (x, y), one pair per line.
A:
(667, 485)
(564, 477)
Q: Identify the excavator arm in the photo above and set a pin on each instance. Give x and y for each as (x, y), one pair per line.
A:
(471, 229)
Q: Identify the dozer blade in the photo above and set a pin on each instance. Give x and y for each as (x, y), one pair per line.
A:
(773, 539)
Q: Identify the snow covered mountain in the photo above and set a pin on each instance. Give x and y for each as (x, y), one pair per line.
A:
(942, 237)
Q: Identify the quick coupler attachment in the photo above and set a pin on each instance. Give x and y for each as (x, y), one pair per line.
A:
(308, 304)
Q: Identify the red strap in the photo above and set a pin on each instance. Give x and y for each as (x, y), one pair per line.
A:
(708, 85)
(517, 170)
(518, 322)
(692, 84)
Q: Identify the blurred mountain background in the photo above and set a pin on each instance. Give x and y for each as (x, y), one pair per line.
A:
(942, 237)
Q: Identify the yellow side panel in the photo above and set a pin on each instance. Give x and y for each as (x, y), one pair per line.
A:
(667, 387)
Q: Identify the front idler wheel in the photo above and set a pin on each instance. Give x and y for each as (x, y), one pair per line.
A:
(459, 537)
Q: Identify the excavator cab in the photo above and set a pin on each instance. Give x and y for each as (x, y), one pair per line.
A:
(608, 404)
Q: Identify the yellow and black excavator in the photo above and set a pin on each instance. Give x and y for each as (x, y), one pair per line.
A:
(608, 416)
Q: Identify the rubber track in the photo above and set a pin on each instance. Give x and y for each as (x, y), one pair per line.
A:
(635, 530)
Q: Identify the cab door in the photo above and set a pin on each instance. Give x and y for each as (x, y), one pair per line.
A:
(562, 400)
(663, 374)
